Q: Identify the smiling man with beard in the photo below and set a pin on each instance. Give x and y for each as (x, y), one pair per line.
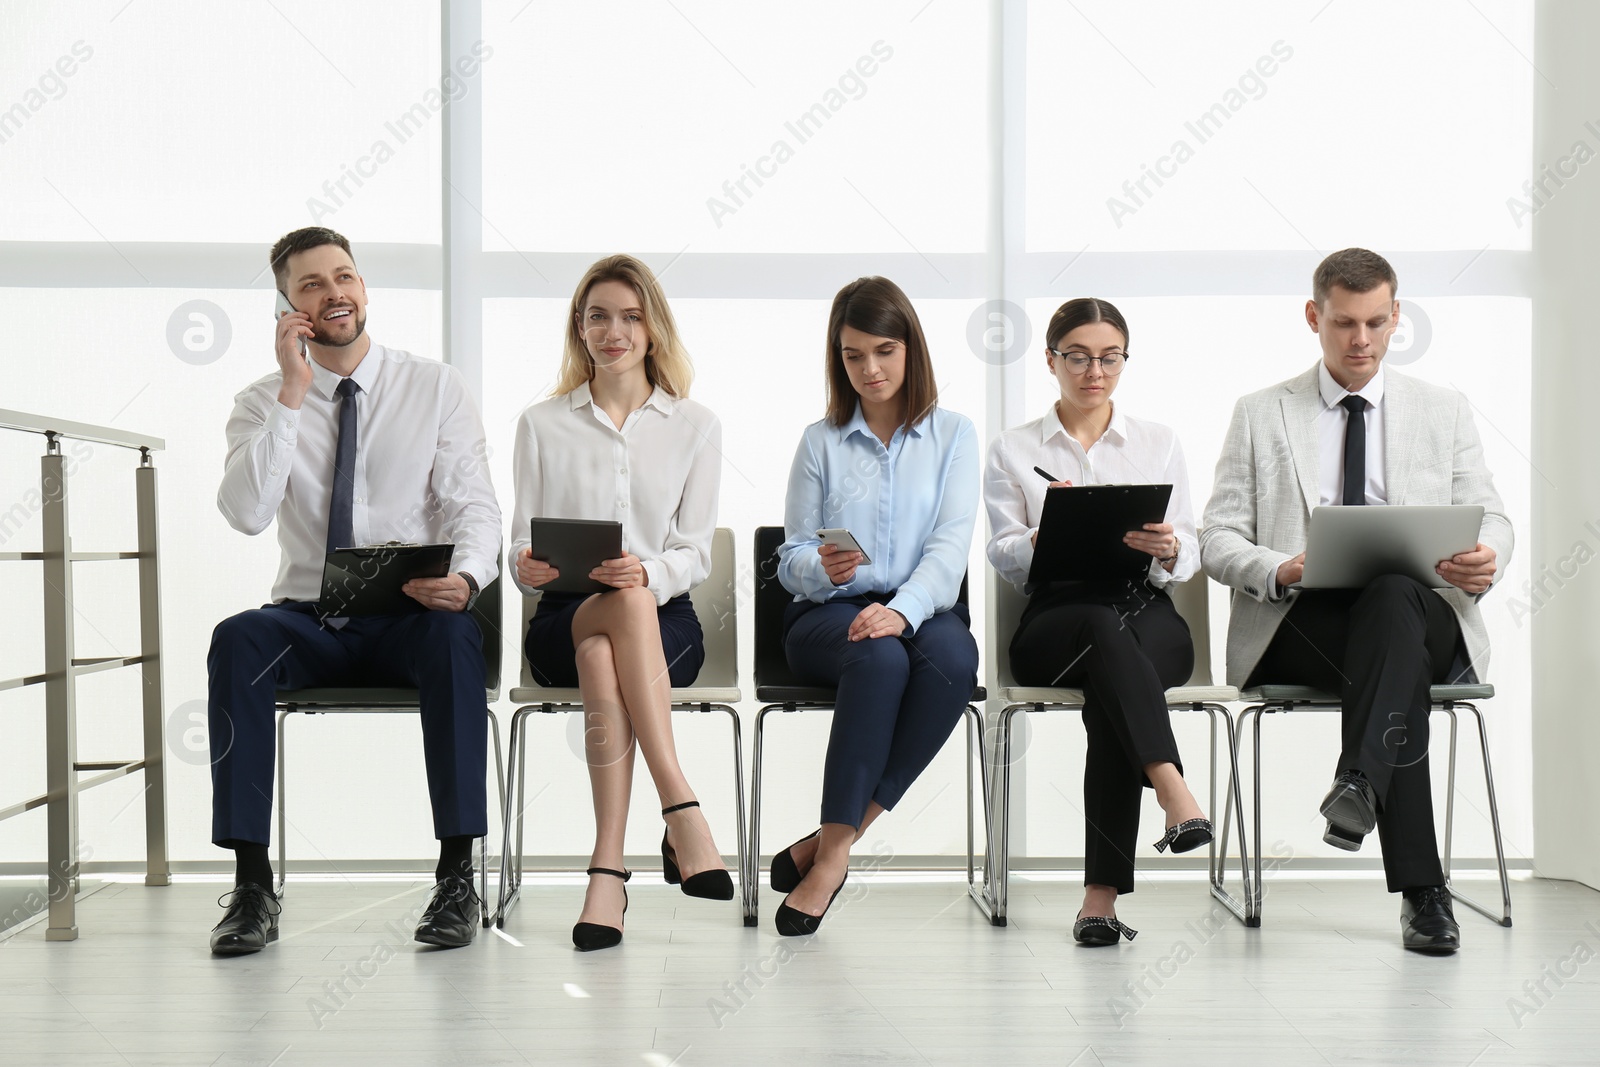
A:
(350, 443)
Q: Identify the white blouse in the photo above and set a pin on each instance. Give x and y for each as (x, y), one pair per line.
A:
(1130, 452)
(658, 474)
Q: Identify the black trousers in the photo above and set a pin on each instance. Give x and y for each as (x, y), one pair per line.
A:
(1124, 647)
(1379, 648)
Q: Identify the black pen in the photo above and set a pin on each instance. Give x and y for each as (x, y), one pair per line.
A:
(1046, 475)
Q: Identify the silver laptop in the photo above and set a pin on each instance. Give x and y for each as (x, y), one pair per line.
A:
(1350, 546)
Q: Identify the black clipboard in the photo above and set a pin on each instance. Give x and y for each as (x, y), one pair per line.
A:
(1081, 531)
(575, 547)
(366, 580)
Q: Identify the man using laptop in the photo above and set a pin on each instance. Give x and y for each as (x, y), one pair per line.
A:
(1347, 432)
(359, 444)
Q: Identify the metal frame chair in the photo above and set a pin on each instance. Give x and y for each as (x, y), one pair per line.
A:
(1269, 699)
(1199, 694)
(339, 700)
(778, 690)
(715, 689)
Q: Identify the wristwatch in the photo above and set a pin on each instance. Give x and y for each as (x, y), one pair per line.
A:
(1170, 559)
(472, 590)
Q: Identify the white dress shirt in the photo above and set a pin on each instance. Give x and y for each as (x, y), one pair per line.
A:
(421, 472)
(658, 474)
(1130, 452)
(1331, 423)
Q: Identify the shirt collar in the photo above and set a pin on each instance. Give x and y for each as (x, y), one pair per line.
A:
(659, 399)
(858, 424)
(1332, 392)
(1050, 425)
(365, 376)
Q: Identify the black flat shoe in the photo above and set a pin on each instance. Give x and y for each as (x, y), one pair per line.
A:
(792, 922)
(1186, 836)
(1100, 930)
(785, 875)
(709, 885)
(1351, 808)
(589, 936)
(453, 914)
(250, 924)
(1428, 923)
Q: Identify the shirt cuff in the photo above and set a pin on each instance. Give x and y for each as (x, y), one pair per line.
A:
(283, 421)
(652, 578)
(908, 607)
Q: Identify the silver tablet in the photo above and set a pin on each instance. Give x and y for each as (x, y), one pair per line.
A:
(1350, 546)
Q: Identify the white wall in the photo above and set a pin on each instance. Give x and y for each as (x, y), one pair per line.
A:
(1211, 269)
(1566, 732)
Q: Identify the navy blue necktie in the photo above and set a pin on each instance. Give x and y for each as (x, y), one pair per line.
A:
(1355, 450)
(340, 510)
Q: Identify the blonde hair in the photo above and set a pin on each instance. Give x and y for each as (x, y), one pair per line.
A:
(666, 362)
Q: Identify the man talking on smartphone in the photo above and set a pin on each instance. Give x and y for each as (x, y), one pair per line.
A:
(351, 443)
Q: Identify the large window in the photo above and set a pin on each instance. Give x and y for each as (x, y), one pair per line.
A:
(1189, 162)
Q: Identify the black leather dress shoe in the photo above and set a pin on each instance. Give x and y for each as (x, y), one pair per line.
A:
(1351, 808)
(1427, 923)
(251, 921)
(453, 914)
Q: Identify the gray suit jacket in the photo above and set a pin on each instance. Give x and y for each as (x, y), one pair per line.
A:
(1267, 484)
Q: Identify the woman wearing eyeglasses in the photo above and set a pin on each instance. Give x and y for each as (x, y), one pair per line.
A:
(900, 474)
(1123, 643)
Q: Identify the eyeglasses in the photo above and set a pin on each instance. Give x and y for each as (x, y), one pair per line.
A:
(1078, 363)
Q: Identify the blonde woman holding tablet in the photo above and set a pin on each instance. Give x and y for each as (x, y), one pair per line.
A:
(619, 439)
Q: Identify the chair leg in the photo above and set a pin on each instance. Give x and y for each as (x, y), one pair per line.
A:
(1219, 862)
(500, 786)
(1504, 918)
(511, 858)
(1253, 890)
(752, 894)
(283, 817)
(981, 893)
(746, 864)
(1001, 891)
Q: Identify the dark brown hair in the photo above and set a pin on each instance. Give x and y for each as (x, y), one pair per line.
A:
(879, 307)
(302, 240)
(1355, 269)
(1081, 312)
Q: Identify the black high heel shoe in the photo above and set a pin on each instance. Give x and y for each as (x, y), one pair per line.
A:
(785, 875)
(791, 922)
(590, 936)
(1101, 930)
(709, 885)
(1186, 836)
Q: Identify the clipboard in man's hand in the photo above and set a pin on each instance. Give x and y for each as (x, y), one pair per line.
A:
(367, 579)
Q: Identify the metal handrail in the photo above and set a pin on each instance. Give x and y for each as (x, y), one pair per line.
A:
(63, 666)
(78, 431)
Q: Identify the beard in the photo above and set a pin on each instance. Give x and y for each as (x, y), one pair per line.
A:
(321, 336)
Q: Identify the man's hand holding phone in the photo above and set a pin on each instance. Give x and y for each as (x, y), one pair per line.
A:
(294, 329)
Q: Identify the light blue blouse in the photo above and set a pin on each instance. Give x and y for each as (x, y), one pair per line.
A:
(911, 504)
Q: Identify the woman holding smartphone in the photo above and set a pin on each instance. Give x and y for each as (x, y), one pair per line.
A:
(619, 439)
(900, 474)
(1123, 643)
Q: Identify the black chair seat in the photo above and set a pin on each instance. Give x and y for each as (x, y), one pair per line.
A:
(820, 694)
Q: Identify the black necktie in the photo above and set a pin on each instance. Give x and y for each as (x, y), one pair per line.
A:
(1355, 450)
(340, 519)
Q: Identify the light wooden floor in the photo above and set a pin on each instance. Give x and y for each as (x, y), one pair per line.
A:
(905, 971)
